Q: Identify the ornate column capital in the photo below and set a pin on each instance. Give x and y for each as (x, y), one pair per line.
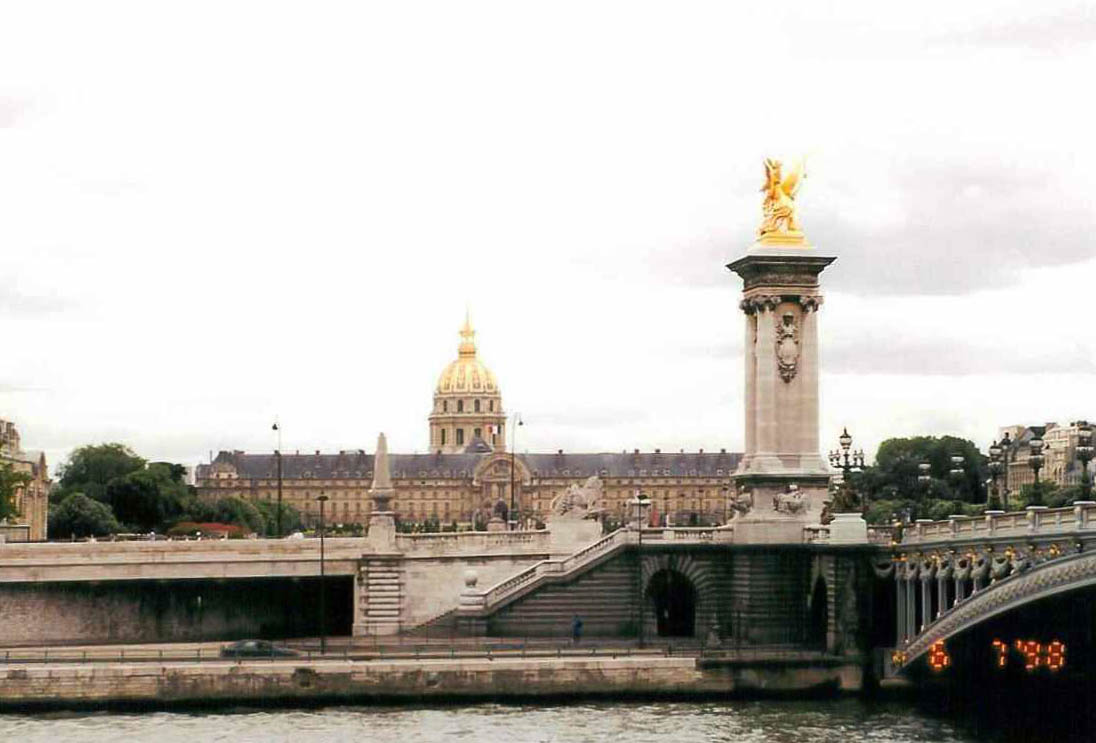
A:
(810, 302)
(760, 303)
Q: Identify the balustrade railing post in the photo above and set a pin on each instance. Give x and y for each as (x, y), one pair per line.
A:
(1081, 512)
(1034, 517)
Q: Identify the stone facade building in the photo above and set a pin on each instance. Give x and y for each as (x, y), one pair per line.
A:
(32, 500)
(467, 476)
(1060, 465)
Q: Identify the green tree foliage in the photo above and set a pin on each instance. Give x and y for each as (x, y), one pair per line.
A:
(237, 510)
(150, 498)
(10, 481)
(894, 474)
(80, 516)
(90, 469)
(291, 517)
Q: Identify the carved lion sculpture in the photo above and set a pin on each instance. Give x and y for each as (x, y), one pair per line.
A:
(579, 502)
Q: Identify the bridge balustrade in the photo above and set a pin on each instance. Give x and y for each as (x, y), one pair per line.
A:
(938, 566)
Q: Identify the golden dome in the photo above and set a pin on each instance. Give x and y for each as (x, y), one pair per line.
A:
(467, 374)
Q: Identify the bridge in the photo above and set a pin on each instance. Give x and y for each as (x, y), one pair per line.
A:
(972, 577)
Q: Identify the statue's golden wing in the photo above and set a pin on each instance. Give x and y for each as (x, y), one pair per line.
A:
(794, 179)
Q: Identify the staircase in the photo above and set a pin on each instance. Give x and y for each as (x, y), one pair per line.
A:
(382, 599)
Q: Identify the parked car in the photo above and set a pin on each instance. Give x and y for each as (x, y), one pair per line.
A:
(256, 649)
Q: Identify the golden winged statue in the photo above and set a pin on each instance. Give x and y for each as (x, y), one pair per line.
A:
(778, 210)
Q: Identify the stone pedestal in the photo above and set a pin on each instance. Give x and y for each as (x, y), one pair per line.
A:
(781, 297)
(382, 531)
(496, 524)
(848, 528)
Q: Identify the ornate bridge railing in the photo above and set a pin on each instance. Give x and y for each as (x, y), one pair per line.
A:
(950, 575)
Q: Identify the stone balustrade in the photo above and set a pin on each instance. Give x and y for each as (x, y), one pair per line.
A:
(474, 600)
(998, 524)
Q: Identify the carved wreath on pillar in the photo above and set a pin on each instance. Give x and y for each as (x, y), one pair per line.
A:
(787, 347)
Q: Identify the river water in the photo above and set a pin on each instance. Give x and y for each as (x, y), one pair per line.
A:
(842, 721)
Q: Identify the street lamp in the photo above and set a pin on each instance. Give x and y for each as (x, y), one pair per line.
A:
(956, 471)
(1035, 461)
(639, 504)
(323, 592)
(278, 463)
(515, 421)
(848, 460)
(996, 467)
(1084, 453)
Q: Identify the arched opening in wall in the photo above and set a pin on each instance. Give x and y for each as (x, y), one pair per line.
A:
(819, 619)
(673, 598)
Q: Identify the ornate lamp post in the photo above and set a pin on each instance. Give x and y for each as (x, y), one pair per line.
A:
(848, 461)
(956, 471)
(323, 586)
(996, 467)
(1084, 453)
(1035, 461)
(515, 421)
(639, 508)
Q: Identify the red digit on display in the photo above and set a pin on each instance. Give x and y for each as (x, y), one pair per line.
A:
(1031, 651)
(1055, 655)
(938, 656)
(1002, 653)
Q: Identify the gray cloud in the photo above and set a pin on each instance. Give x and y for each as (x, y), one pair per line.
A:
(967, 225)
(1067, 27)
(11, 110)
(885, 352)
(14, 301)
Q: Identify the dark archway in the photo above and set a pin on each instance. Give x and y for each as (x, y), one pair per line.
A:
(673, 598)
(819, 619)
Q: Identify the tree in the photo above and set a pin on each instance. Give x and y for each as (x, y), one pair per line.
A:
(90, 469)
(10, 482)
(894, 475)
(80, 516)
(291, 517)
(236, 510)
(150, 498)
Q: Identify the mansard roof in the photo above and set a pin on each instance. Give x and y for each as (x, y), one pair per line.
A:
(348, 465)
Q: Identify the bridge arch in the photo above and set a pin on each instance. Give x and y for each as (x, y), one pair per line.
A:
(678, 595)
(1043, 581)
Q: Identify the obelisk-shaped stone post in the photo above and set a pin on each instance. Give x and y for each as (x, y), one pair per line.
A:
(382, 522)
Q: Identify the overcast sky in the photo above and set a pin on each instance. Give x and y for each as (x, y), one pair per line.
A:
(215, 213)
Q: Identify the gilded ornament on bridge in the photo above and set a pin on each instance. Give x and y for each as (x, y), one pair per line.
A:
(779, 222)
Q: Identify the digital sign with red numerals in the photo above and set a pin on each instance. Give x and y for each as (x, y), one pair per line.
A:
(1031, 654)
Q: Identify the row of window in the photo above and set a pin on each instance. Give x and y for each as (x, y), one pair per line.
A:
(475, 406)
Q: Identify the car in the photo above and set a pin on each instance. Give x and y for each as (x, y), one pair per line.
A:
(256, 649)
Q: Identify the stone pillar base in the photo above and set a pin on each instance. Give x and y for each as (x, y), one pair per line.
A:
(848, 528)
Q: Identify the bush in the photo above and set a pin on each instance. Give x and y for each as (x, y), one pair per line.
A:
(80, 516)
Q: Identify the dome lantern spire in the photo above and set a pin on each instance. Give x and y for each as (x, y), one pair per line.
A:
(467, 347)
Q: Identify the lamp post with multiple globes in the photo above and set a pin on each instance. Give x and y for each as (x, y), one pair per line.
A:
(996, 467)
(1084, 453)
(1035, 461)
(848, 460)
(323, 592)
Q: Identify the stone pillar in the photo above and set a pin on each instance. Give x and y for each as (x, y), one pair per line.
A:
(926, 602)
(780, 299)
(900, 605)
(911, 608)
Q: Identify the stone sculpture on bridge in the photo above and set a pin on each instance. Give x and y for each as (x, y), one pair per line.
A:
(577, 503)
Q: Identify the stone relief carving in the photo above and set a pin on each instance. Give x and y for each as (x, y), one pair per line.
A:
(791, 502)
(741, 503)
(579, 502)
(787, 347)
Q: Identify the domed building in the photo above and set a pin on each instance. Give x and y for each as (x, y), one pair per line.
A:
(467, 472)
(467, 415)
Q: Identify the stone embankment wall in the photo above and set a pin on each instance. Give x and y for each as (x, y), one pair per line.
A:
(223, 682)
(170, 611)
